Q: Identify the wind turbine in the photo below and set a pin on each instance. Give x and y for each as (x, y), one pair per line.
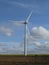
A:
(25, 31)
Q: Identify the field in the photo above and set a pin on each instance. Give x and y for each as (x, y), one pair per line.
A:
(24, 60)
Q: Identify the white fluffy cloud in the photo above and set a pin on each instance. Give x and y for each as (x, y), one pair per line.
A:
(40, 33)
(38, 40)
(37, 43)
(7, 31)
(6, 48)
(16, 48)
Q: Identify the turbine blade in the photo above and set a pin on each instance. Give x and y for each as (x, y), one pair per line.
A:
(28, 31)
(29, 16)
(18, 22)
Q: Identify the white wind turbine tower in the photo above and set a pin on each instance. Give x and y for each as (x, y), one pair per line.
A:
(25, 23)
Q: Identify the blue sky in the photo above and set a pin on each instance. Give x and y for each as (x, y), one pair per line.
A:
(12, 35)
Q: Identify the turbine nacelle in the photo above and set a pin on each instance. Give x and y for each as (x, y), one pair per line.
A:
(25, 22)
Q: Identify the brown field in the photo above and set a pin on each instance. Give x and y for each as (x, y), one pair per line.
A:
(24, 60)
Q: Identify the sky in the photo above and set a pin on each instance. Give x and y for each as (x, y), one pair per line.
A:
(12, 33)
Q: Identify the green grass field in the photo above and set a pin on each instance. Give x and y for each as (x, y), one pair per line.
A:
(24, 55)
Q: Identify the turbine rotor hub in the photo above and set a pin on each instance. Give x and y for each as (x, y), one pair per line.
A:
(25, 22)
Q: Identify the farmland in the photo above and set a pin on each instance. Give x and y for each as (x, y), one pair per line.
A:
(24, 60)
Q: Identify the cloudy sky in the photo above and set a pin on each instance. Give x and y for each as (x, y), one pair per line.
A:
(12, 33)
